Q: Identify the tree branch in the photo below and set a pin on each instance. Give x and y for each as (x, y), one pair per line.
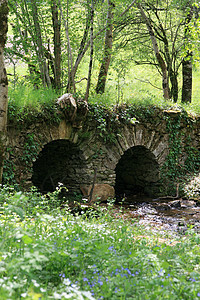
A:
(147, 81)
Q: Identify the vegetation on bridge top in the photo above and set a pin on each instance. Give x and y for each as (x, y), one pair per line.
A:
(28, 105)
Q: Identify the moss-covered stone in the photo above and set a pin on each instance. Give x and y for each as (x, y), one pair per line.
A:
(106, 136)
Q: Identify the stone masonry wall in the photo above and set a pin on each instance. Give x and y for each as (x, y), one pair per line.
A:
(71, 154)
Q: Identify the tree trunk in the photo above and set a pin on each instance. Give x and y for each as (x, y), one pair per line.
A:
(174, 85)
(81, 52)
(85, 44)
(187, 63)
(187, 80)
(91, 52)
(41, 57)
(57, 45)
(25, 21)
(100, 88)
(71, 84)
(160, 60)
(3, 81)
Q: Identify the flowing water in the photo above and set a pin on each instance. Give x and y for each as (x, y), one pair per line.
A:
(166, 214)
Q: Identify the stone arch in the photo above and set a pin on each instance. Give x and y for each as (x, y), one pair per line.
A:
(142, 151)
(139, 135)
(60, 161)
(137, 172)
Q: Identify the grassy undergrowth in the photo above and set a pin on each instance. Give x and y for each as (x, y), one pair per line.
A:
(48, 253)
(136, 87)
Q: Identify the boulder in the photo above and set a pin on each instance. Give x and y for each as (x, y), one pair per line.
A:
(101, 192)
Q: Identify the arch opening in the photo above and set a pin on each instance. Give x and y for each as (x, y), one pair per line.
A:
(137, 173)
(60, 161)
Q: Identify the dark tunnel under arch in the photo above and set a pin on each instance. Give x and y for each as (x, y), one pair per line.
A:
(137, 172)
(60, 161)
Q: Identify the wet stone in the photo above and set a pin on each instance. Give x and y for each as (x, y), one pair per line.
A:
(174, 216)
(175, 203)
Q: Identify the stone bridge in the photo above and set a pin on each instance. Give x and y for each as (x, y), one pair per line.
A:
(44, 154)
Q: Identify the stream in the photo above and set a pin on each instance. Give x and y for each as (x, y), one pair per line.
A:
(163, 214)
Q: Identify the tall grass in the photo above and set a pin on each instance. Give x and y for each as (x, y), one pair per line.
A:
(26, 104)
(26, 96)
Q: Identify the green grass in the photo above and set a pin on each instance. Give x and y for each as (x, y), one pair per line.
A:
(47, 253)
(27, 96)
(136, 86)
(27, 104)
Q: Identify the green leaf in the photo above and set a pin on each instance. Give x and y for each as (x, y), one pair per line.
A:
(27, 240)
